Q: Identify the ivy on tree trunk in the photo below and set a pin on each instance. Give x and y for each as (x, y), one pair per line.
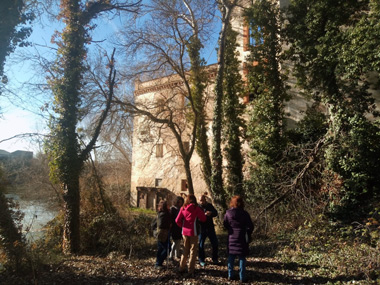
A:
(67, 158)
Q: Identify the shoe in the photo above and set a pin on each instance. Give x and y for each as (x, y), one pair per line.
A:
(216, 263)
(202, 263)
(231, 278)
(159, 267)
(189, 275)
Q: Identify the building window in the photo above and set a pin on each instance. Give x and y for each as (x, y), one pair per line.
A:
(258, 39)
(184, 187)
(159, 150)
(249, 39)
(145, 134)
(160, 106)
(158, 182)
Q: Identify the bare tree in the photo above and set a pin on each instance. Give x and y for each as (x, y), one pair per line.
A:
(168, 49)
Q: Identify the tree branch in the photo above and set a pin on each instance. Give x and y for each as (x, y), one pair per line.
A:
(94, 8)
(296, 180)
(103, 116)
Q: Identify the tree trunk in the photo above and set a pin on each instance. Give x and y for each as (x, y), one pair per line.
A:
(217, 189)
(71, 230)
(65, 152)
(11, 237)
(189, 177)
(68, 100)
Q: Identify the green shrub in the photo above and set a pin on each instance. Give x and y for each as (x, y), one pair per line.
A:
(110, 232)
(333, 250)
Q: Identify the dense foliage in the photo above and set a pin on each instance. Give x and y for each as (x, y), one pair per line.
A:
(232, 118)
(12, 243)
(64, 148)
(198, 81)
(13, 29)
(217, 188)
(322, 37)
(266, 88)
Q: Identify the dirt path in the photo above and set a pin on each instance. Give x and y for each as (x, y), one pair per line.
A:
(118, 270)
(262, 268)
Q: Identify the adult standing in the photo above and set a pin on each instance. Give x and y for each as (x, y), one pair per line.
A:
(176, 231)
(240, 227)
(188, 218)
(161, 227)
(208, 231)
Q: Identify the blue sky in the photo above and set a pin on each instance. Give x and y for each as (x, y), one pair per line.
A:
(23, 115)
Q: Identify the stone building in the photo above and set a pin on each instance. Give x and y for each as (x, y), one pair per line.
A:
(157, 169)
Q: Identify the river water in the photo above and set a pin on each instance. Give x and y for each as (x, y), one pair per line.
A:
(36, 215)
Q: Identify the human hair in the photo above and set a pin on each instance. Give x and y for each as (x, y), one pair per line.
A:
(203, 196)
(190, 199)
(177, 199)
(162, 206)
(237, 202)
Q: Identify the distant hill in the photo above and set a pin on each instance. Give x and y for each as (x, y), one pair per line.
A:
(20, 154)
(4, 152)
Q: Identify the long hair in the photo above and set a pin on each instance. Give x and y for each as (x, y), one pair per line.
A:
(162, 206)
(190, 199)
(237, 202)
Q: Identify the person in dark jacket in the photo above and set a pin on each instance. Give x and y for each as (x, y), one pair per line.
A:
(240, 227)
(162, 227)
(207, 231)
(176, 231)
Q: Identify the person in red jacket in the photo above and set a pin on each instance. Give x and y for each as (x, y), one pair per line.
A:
(188, 218)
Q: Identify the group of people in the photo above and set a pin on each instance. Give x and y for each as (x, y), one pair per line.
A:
(192, 222)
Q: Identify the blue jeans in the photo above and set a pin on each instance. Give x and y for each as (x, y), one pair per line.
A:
(242, 263)
(210, 233)
(162, 252)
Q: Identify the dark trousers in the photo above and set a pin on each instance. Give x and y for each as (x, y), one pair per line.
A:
(242, 264)
(210, 233)
(162, 252)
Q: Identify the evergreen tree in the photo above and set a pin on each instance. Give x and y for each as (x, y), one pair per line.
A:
(12, 242)
(266, 87)
(13, 31)
(12, 34)
(198, 80)
(217, 188)
(232, 121)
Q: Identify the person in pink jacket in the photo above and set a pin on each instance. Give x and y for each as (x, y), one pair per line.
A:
(187, 219)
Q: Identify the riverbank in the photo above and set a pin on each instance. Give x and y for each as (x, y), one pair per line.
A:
(37, 213)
